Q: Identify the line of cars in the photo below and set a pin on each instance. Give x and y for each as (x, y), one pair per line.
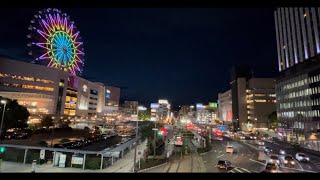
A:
(288, 160)
(77, 144)
(16, 134)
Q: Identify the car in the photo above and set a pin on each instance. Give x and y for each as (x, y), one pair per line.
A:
(242, 137)
(302, 157)
(272, 167)
(267, 150)
(282, 152)
(229, 149)
(260, 143)
(288, 160)
(224, 164)
(274, 159)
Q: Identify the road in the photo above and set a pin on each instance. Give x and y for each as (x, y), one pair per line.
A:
(313, 166)
(243, 160)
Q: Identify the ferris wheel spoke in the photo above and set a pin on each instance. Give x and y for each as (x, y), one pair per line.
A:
(44, 56)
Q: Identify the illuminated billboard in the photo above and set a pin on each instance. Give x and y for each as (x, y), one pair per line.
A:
(154, 105)
(213, 105)
(163, 101)
(199, 106)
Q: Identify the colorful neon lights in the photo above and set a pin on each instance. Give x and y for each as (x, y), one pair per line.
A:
(57, 41)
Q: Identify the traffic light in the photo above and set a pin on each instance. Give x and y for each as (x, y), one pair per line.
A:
(2, 149)
(160, 134)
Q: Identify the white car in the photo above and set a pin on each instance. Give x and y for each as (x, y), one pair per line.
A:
(260, 143)
(302, 157)
(282, 152)
(229, 149)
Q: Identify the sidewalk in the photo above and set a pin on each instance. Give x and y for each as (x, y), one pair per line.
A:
(122, 165)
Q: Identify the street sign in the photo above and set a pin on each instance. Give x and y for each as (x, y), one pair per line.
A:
(139, 154)
(222, 128)
(62, 160)
(154, 129)
(77, 160)
(42, 153)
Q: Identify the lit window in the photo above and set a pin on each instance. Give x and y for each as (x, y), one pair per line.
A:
(260, 100)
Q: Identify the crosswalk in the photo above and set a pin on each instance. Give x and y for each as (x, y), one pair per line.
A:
(316, 163)
(239, 170)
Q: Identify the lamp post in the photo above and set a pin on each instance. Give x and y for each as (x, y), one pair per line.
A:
(141, 108)
(4, 108)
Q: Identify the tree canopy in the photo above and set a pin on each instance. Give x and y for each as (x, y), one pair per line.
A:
(273, 123)
(16, 116)
(47, 121)
(144, 115)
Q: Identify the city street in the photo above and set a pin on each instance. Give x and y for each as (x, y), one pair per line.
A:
(243, 160)
(313, 166)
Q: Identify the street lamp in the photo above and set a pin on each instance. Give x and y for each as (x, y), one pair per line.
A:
(4, 108)
(141, 108)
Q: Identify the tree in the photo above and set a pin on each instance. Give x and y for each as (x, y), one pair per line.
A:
(144, 115)
(273, 120)
(16, 116)
(47, 121)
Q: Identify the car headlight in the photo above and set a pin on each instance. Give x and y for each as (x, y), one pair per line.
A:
(277, 161)
(308, 158)
(270, 160)
(285, 161)
(292, 162)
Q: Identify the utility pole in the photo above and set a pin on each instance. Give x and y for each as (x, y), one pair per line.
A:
(154, 140)
(135, 147)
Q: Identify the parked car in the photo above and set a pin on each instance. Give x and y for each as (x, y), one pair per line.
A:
(289, 161)
(274, 159)
(272, 167)
(302, 157)
(224, 164)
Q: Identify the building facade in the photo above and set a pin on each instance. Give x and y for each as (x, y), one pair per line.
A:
(46, 90)
(225, 107)
(297, 87)
(163, 109)
(131, 106)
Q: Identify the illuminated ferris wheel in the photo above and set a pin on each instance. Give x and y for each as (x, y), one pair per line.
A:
(56, 42)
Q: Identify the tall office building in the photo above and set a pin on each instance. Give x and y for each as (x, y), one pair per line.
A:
(225, 107)
(298, 86)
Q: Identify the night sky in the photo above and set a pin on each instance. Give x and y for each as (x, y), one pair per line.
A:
(183, 55)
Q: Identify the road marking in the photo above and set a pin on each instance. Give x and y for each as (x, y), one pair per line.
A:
(235, 156)
(215, 150)
(298, 164)
(257, 161)
(205, 161)
(245, 170)
(220, 156)
(317, 164)
(238, 170)
(249, 155)
(242, 154)
(220, 152)
(309, 166)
